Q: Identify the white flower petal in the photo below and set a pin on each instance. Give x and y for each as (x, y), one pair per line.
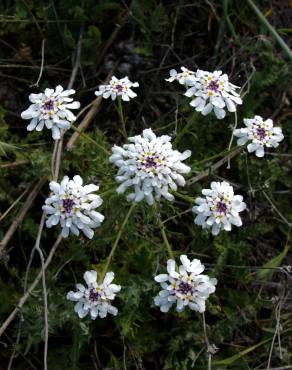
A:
(150, 167)
(71, 200)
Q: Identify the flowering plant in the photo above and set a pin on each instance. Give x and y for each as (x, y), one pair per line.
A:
(212, 91)
(259, 133)
(150, 166)
(182, 77)
(96, 298)
(219, 209)
(185, 287)
(73, 206)
(118, 88)
(51, 109)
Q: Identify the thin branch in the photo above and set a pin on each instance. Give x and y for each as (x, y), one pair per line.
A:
(34, 18)
(89, 116)
(279, 154)
(42, 65)
(20, 216)
(9, 367)
(214, 167)
(57, 160)
(231, 139)
(27, 294)
(277, 332)
(47, 67)
(289, 367)
(37, 247)
(88, 138)
(163, 234)
(116, 242)
(77, 61)
(53, 159)
(15, 164)
(207, 343)
(178, 215)
(13, 204)
(276, 209)
(247, 82)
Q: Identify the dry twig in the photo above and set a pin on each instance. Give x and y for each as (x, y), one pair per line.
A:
(15, 164)
(13, 204)
(89, 116)
(207, 343)
(42, 65)
(214, 167)
(77, 61)
(276, 209)
(277, 331)
(27, 294)
(37, 247)
(20, 216)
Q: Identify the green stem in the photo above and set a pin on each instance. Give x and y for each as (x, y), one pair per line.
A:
(164, 237)
(107, 192)
(231, 139)
(221, 154)
(185, 129)
(122, 118)
(81, 133)
(184, 197)
(272, 30)
(110, 256)
(229, 23)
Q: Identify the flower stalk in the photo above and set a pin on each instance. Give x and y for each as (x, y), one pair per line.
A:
(163, 234)
(118, 237)
(88, 138)
(120, 111)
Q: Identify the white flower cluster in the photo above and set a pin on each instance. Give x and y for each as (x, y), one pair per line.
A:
(260, 134)
(219, 209)
(150, 166)
(51, 109)
(118, 88)
(211, 91)
(185, 287)
(152, 169)
(182, 77)
(96, 298)
(73, 206)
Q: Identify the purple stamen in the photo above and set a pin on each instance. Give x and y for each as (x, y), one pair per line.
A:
(185, 288)
(93, 295)
(120, 88)
(221, 207)
(68, 205)
(48, 105)
(150, 162)
(261, 133)
(213, 86)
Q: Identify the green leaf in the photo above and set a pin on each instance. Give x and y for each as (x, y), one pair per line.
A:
(4, 148)
(93, 32)
(268, 268)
